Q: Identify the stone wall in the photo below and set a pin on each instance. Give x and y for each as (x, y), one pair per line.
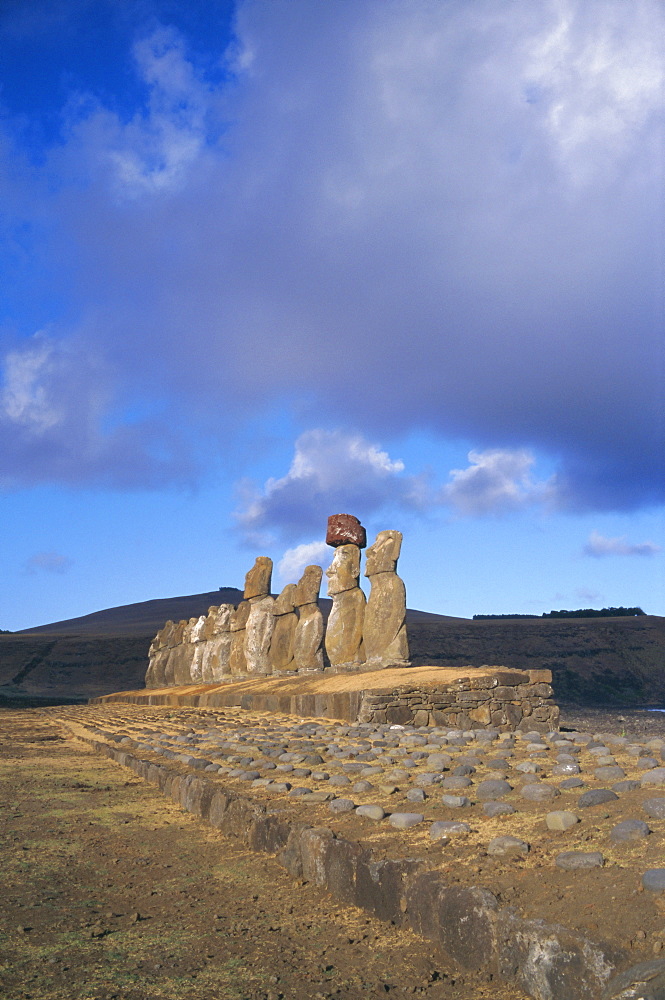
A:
(505, 700)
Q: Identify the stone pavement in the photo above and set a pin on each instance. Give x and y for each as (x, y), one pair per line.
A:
(470, 803)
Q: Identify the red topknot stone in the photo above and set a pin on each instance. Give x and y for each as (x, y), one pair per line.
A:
(345, 529)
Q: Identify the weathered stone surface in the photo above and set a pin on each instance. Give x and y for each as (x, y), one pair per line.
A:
(258, 633)
(447, 829)
(405, 820)
(344, 634)
(654, 777)
(211, 618)
(181, 663)
(344, 570)
(646, 980)
(507, 845)
(654, 880)
(655, 808)
(572, 861)
(561, 819)
(308, 586)
(281, 642)
(345, 529)
(285, 603)
(257, 580)
(371, 812)
(492, 788)
(539, 792)
(596, 797)
(238, 623)
(308, 639)
(217, 650)
(629, 830)
(459, 920)
(384, 631)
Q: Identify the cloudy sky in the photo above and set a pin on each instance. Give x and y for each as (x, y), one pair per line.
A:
(267, 260)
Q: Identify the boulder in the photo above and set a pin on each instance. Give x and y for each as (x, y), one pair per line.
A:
(345, 529)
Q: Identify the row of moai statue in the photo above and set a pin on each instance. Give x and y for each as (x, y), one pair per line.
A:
(264, 635)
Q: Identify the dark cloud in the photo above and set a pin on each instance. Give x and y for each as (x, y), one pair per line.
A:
(409, 216)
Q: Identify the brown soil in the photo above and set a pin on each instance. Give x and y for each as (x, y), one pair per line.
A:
(110, 891)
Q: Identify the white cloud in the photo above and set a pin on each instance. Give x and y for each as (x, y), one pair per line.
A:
(293, 562)
(331, 472)
(48, 562)
(497, 482)
(599, 546)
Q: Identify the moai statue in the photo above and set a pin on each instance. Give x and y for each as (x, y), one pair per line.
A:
(197, 639)
(184, 654)
(384, 631)
(237, 627)
(260, 621)
(344, 634)
(308, 637)
(286, 621)
(174, 651)
(218, 644)
(158, 655)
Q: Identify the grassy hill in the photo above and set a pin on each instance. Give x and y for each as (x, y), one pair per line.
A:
(596, 661)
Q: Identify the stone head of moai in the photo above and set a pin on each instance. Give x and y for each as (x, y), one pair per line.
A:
(308, 586)
(344, 570)
(382, 556)
(258, 579)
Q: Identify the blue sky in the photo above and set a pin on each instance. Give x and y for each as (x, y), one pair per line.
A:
(267, 260)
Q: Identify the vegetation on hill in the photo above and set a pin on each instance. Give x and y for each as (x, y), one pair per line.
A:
(580, 613)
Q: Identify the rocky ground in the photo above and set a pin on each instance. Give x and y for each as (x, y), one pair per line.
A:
(110, 892)
(114, 892)
(449, 798)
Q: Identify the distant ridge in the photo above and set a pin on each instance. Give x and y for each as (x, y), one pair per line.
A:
(147, 617)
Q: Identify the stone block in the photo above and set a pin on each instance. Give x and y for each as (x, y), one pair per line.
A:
(269, 833)
(546, 960)
(399, 715)
(504, 693)
(290, 856)
(541, 690)
(381, 886)
(536, 676)
(314, 846)
(459, 920)
(482, 715)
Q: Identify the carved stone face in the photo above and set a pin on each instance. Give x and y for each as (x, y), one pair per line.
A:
(344, 570)
(383, 555)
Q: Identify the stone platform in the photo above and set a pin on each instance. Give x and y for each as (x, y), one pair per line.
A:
(467, 698)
